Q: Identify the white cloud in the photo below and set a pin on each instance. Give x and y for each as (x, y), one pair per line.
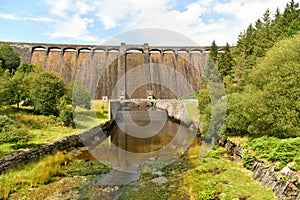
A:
(59, 8)
(40, 19)
(126, 15)
(70, 22)
(9, 16)
(18, 18)
(75, 27)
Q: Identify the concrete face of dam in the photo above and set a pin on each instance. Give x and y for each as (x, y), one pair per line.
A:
(100, 68)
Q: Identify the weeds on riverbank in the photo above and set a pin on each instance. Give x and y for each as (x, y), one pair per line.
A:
(281, 151)
(32, 175)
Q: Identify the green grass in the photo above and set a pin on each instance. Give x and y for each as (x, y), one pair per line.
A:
(273, 150)
(46, 129)
(86, 119)
(192, 111)
(212, 177)
(75, 170)
(216, 176)
(32, 175)
(281, 151)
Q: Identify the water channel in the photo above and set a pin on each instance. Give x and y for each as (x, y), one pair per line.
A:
(140, 137)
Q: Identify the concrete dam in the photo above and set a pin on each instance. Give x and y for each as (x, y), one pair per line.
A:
(101, 68)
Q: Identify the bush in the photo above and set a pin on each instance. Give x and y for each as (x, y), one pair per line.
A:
(5, 121)
(248, 160)
(282, 151)
(9, 132)
(66, 116)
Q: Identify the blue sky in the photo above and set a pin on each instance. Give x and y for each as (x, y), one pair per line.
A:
(95, 21)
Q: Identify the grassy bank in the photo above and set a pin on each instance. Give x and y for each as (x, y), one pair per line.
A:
(46, 129)
(190, 177)
(212, 177)
(58, 174)
(32, 175)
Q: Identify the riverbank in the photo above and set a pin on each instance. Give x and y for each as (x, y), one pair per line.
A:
(189, 177)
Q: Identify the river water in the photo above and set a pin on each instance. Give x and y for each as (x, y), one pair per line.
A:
(141, 138)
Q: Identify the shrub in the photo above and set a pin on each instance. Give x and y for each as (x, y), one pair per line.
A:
(66, 116)
(282, 151)
(248, 160)
(9, 132)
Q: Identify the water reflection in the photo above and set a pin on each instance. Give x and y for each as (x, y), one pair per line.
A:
(139, 138)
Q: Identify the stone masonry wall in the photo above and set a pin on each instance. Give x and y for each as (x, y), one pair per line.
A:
(176, 109)
(67, 143)
(285, 183)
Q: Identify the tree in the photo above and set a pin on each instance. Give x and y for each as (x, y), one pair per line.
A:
(213, 54)
(46, 90)
(15, 88)
(26, 68)
(225, 63)
(78, 95)
(237, 121)
(10, 58)
(274, 85)
(4, 89)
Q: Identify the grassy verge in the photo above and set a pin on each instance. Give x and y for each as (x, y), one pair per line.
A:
(86, 119)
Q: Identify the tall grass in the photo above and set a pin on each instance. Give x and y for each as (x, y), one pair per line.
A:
(32, 175)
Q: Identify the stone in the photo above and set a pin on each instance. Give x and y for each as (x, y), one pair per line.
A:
(285, 170)
(159, 173)
(285, 183)
(160, 180)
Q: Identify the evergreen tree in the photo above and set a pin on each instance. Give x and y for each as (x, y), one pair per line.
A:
(225, 63)
(213, 54)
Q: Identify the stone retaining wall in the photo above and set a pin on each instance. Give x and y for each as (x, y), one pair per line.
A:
(285, 183)
(67, 143)
(176, 109)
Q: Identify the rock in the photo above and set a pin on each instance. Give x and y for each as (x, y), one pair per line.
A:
(161, 180)
(159, 173)
(285, 183)
(285, 170)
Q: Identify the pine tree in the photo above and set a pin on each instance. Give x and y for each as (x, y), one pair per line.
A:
(213, 54)
(225, 62)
